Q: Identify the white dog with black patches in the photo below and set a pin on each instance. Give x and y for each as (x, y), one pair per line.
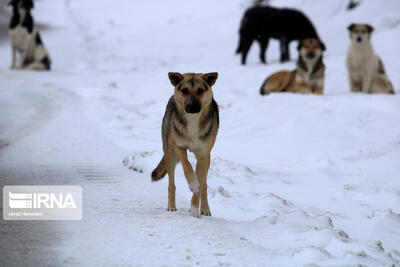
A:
(25, 40)
(366, 71)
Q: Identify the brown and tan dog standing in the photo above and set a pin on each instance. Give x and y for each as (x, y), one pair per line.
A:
(366, 71)
(191, 123)
(307, 78)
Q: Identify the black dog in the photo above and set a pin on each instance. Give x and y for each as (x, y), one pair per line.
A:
(263, 22)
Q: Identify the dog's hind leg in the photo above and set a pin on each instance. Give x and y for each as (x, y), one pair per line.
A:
(277, 82)
(381, 85)
(263, 47)
(202, 166)
(284, 46)
(36, 66)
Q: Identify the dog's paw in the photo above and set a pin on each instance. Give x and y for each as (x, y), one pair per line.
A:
(205, 212)
(194, 186)
(171, 209)
(13, 67)
(194, 211)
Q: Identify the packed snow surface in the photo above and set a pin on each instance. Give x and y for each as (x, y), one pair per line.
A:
(294, 179)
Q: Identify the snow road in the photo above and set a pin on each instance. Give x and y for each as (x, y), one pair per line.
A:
(294, 179)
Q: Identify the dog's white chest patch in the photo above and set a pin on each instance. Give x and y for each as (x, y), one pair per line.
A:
(192, 125)
(361, 59)
(193, 132)
(20, 38)
(306, 77)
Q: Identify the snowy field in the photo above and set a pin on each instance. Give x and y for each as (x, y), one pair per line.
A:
(294, 180)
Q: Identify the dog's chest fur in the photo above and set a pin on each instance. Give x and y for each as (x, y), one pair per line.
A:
(361, 59)
(304, 75)
(191, 133)
(309, 72)
(20, 38)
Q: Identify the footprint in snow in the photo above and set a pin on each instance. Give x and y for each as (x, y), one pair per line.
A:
(141, 161)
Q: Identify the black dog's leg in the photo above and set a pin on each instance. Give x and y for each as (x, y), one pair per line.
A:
(285, 56)
(245, 49)
(287, 50)
(263, 48)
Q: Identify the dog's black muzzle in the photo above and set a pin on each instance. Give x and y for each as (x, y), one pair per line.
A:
(192, 105)
(359, 39)
(310, 55)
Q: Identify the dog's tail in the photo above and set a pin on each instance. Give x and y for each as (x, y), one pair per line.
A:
(159, 172)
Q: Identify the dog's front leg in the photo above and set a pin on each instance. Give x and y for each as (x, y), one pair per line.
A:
(285, 52)
(22, 60)
(303, 89)
(191, 179)
(170, 163)
(318, 88)
(202, 166)
(14, 57)
(366, 83)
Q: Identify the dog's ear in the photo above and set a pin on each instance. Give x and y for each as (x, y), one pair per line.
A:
(351, 27)
(299, 45)
(322, 45)
(369, 28)
(175, 78)
(210, 78)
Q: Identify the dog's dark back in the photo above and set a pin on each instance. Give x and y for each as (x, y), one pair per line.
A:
(260, 23)
(277, 23)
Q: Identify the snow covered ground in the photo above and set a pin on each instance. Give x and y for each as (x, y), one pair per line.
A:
(294, 180)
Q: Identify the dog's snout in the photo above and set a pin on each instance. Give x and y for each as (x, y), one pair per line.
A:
(192, 105)
(359, 39)
(310, 55)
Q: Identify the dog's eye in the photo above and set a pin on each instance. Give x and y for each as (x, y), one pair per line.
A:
(200, 91)
(185, 91)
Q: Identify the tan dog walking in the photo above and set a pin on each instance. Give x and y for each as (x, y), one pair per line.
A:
(191, 123)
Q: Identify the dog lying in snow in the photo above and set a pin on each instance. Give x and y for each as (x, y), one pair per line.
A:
(25, 40)
(307, 78)
(366, 71)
